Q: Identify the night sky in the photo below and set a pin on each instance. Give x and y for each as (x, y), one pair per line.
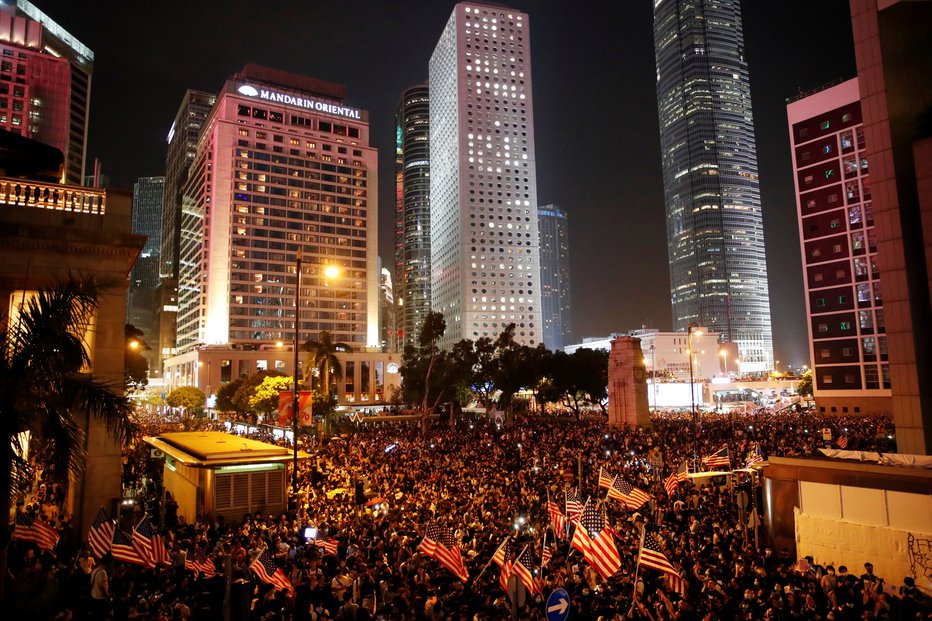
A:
(597, 138)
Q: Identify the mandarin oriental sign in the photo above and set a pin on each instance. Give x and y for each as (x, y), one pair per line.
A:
(300, 102)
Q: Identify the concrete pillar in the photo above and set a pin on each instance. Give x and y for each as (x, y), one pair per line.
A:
(627, 384)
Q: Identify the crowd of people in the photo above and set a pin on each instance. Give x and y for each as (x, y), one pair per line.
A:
(372, 492)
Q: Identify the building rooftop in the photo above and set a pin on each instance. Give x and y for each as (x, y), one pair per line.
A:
(209, 448)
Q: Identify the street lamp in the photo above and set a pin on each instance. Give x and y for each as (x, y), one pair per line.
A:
(692, 329)
(294, 390)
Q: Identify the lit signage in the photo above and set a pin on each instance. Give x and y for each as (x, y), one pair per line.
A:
(392, 367)
(299, 102)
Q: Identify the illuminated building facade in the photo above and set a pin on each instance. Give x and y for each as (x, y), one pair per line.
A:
(555, 275)
(148, 193)
(45, 80)
(283, 167)
(485, 270)
(715, 231)
(412, 213)
(844, 299)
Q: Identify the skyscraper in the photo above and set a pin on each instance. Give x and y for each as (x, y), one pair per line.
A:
(715, 234)
(555, 276)
(148, 194)
(182, 147)
(412, 213)
(485, 271)
(844, 300)
(283, 167)
(47, 82)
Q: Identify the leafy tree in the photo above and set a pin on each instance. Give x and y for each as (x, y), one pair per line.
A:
(135, 365)
(581, 378)
(225, 395)
(247, 388)
(322, 355)
(539, 361)
(264, 397)
(804, 387)
(46, 394)
(419, 363)
(188, 398)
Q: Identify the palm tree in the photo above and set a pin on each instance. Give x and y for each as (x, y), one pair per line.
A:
(45, 389)
(322, 355)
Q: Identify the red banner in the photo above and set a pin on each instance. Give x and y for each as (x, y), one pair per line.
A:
(305, 408)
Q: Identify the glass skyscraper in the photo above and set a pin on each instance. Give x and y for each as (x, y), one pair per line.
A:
(715, 233)
(412, 214)
(485, 271)
(555, 275)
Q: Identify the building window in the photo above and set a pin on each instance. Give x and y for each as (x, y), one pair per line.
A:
(824, 125)
(827, 379)
(825, 353)
(820, 302)
(823, 327)
(845, 325)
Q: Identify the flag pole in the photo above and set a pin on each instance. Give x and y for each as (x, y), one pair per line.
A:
(489, 562)
(637, 566)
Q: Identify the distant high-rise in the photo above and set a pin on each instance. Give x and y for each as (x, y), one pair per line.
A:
(46, 82)
(148, 194)
(555, 276)
(844, 300)
(715, 232)
(387, 311)
(412, 213)
(182, 147)
(485, 271)
(283, 167)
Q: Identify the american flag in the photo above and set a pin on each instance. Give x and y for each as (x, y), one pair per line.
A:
(650, 554)
(754, 456)
(142, 540)
(502, 558)
(574, 506)
(605, 479)
(718, 458)
(159, 553)
(524, 568)
(842, 442)
(35, 530)
(204, 564)
(596, 542)
(100, 534)
(624, 492)
(123, 549)
(438, 544)
(675, 583)
(269, 572)
(673, 481)
(329, 545)
(556, 518)
(546, 554)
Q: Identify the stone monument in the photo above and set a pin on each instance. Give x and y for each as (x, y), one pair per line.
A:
(627, 384)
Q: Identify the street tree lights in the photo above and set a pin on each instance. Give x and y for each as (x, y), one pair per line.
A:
(690, 331)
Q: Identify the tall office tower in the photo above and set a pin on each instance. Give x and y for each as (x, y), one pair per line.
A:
(387, 312)
(847, 328)
(412, 213)
(891, 44)
(555, 276)
(283, 170)
(182, 147)
(141, 297)
(46, 75)
(485, 271)
(715, 231)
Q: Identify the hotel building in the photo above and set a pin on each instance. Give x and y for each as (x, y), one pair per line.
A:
(283, 170)
(412, 214)
(844, 298)
(555, 275)
(485, 269)
(715, 230)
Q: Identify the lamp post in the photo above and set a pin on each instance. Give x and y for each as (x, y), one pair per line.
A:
(693, 329)
(294, 390)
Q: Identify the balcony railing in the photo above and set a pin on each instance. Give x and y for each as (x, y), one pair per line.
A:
(75, 199)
